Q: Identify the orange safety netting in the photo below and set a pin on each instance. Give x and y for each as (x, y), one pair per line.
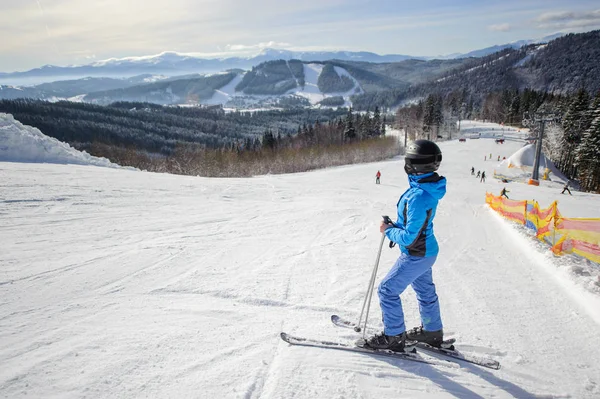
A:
(540, 220)
(579, 235)
(575, 235)
(510, 209)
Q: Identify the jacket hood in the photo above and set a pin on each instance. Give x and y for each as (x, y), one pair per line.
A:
(432, 183)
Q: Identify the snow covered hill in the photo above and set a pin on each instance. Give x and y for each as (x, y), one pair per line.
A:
(228, 96)
(117, 283)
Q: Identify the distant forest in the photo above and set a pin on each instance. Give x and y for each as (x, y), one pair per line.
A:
(155, 128)
(273, 77)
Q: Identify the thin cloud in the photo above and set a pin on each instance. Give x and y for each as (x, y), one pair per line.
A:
(569, 19)
(254, 47)
(500, 27)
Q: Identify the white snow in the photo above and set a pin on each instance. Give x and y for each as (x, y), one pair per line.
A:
(314, 94)
(20, 143)
(523, 161)
(225, 93)
(154, 78)
(115, 283)
(165, 56)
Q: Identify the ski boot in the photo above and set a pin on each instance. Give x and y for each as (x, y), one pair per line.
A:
(395, 343)
(433, 338)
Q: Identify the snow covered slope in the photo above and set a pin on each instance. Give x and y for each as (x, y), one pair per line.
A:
(115, 283)
(21, 143)
(310, 90)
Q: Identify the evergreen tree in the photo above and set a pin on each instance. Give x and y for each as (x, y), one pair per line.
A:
(376, 128)
(360, 127)
(428, 115)
(317, 131)
(349, 131)
(311, 135)
(340, 127)
(438, 115)
(269, 140)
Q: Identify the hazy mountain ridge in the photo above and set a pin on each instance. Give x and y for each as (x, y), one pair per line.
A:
(173, 63)
(171, 91)
(64, 89)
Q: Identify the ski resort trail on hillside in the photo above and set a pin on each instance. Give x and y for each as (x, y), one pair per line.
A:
(119, 283)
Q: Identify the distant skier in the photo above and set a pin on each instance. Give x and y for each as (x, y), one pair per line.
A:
(503, 193)
(490, 156)
(485, 157)
(566, 188)
(482, 177)
(472, 170)
(413, 231)
(478, 174)
(377, 177)
(498, 158)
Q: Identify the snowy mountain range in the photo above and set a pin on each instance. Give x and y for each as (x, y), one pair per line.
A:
(172, 63)
(285, 79)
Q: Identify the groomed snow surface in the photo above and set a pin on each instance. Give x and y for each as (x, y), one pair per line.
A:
(119, 283)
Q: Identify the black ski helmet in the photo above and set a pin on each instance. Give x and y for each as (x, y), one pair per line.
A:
(422, 156)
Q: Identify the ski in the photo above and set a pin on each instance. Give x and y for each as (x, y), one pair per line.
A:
(316, 343)
(446, 350)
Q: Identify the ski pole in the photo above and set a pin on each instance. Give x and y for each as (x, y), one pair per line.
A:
(369, 294)
(370, 286)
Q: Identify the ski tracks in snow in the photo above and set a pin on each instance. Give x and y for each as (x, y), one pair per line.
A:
(140, 284)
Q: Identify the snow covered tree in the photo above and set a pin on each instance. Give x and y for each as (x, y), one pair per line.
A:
(553, 141)
(432, 115)
(575, 122)
(588, 153)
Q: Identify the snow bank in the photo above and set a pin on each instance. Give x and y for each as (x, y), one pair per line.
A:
(524, 158)
(20, 143)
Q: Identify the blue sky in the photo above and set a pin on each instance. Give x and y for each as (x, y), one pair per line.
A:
(62, 32)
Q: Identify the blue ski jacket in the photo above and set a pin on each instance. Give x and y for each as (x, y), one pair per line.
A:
(413, 231)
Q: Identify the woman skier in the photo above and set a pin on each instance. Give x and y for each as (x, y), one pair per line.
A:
(413, 232)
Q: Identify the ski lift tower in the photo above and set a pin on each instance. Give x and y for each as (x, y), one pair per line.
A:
(538, 118)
